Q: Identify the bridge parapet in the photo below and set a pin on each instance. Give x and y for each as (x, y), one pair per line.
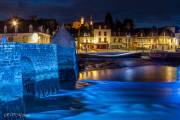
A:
(11, 84)
(28, 66)
(44, 59)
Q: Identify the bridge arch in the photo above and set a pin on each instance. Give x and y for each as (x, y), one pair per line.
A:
(28, 75)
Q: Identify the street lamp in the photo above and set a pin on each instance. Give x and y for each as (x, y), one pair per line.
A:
(15, 25)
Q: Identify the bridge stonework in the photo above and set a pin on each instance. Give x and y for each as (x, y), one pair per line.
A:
(31, 62)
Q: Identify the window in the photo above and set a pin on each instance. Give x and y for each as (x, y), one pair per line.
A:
(105, 40)
(99, 33)
(99, 40)
(114, 40)
(119, 40)
(105, 33)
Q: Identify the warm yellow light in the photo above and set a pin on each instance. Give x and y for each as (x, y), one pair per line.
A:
(14, 22)
(82, 20)
(35, 38)
(95, 41)
(91, 22)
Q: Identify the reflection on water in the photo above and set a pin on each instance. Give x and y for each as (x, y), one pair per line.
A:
(101, 94)
(113, 101)
(143, 73)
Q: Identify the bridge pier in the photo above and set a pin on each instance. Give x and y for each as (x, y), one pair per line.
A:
(66, 54)
(33, 70)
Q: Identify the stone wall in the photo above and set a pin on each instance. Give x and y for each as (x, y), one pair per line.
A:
(11, 85)
(14, 65)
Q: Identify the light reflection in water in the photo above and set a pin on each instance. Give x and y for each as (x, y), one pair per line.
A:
(95, 100)
(143, 73)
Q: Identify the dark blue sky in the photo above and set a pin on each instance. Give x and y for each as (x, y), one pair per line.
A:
(144, 12)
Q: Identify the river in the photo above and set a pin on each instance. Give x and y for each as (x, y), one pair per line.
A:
(119, 89)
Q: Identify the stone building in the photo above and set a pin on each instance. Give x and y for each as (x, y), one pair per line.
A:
(98, 37)
(28, 30)
(104, 39)
(37, 37)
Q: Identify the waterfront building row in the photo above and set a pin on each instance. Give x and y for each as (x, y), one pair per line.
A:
(104, 39)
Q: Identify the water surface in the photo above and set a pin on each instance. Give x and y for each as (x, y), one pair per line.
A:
(117, 90)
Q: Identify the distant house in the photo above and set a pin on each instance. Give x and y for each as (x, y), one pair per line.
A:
(18, 29)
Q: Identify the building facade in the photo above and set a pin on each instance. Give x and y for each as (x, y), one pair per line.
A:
(99, 37)
(104, 39)
(33, 30)
(40, 38)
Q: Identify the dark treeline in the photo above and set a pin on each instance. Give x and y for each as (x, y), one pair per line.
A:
(127, 25)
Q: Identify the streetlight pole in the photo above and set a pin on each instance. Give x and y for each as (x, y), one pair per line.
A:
(15, 25)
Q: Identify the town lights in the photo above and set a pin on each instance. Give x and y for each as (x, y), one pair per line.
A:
(15, 25)
(14, 22)
(34, 38)
(95, 41)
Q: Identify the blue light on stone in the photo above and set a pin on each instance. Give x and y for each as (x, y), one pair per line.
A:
(34, 70)
(3, 40)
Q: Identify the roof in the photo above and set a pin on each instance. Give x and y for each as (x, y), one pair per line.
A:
(152, 32)
(23, 25)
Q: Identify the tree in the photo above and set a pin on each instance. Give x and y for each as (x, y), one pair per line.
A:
(109, 20)
(118, 25)
(128, 25)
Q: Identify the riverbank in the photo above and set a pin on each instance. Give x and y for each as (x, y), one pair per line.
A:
(112, 63)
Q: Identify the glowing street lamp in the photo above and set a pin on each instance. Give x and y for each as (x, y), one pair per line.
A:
(15, 25)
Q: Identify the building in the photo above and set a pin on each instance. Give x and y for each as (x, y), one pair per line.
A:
(176, 31)
(98, 37)
(94, 39)
(28, 30)
(120, 41)
(101, 38)
(39, 37)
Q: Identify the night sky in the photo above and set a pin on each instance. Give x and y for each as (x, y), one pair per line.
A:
(144, 12)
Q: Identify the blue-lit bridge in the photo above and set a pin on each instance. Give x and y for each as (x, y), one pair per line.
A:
(34, 70)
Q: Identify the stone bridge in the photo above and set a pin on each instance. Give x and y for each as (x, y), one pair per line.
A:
(35, 71)
(27, 69)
